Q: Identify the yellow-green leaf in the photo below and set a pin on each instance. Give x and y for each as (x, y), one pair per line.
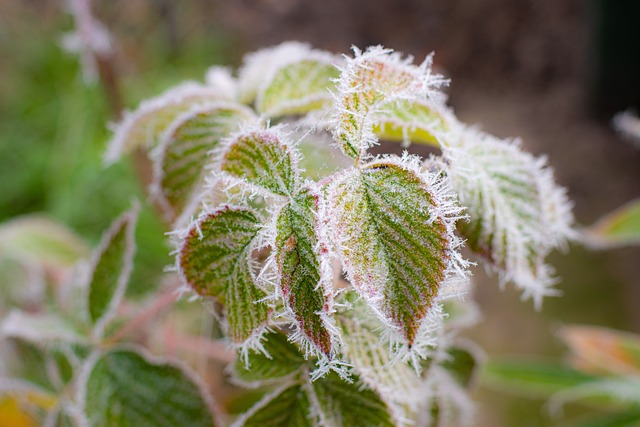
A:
(618, 228)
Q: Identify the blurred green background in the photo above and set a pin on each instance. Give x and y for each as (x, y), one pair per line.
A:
(552, 72)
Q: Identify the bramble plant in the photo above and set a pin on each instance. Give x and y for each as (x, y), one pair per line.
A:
(336, 275)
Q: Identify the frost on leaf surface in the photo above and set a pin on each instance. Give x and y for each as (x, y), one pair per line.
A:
(350, 404)
(124, 388)
(420, 121)
(215, 261)
(369, 85)
(394, 229)
(307, 294)
(143, 127)
(288, 406)
(183, 151)
(517, 212)
(263, 158)
(279, 359)
(299, 87)
(112, 266)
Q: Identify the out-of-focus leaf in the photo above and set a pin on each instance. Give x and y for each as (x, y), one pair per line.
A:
(601, 350)
(39, 328)
(606, 392)
(143, 127)
(215, 261)
(625, 419)
(299, 87)
(283, 360)
(394, 249)
(306, 293)
(183, 151)
(618, 228)
(124, 388)
(262, 158)
(111, 269)
(40, 240)
(532, 378)
(13, 415)
(461, 364)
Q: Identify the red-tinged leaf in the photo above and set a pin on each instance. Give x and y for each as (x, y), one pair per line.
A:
(215, 261)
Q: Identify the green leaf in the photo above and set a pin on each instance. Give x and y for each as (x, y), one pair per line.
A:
(283, 360)
(143, 127)
(394, 249)
(606, 392)
(350, 404)
(288, 406)
(215, 261)
(419, 122)
(111, 268)
(183, 152)
(306, 293)
(517, 213)
(618, 228)
(38, 239)
(532, 378)
(263, 159)
(124, 388)
(625, 419)
(461, 364)
(39, 328)
(298, 88)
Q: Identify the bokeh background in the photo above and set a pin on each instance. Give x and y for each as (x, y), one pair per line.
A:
(550, 71)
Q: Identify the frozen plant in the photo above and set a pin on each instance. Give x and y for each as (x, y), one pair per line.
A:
(336, 275)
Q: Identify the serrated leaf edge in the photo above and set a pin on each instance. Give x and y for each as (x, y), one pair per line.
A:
(157, 156)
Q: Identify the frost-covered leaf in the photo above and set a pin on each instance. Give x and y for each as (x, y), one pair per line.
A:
(349, 404)
(288, 406)
(367, 350)
(111, 268)
(40, 240)
(125, 388)
(279, 359)
(419, 121)
(370, 83)
(143, 127)
(394, 228)
(307, 294)
(261, 67)
(600, 350)
(618, 228)
(299, 87)
(39, 328)
(263, 158)
(183, 151)
(517, 212)
(215, 261)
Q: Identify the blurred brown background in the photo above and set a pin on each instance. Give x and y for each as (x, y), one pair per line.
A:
(550, 71)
